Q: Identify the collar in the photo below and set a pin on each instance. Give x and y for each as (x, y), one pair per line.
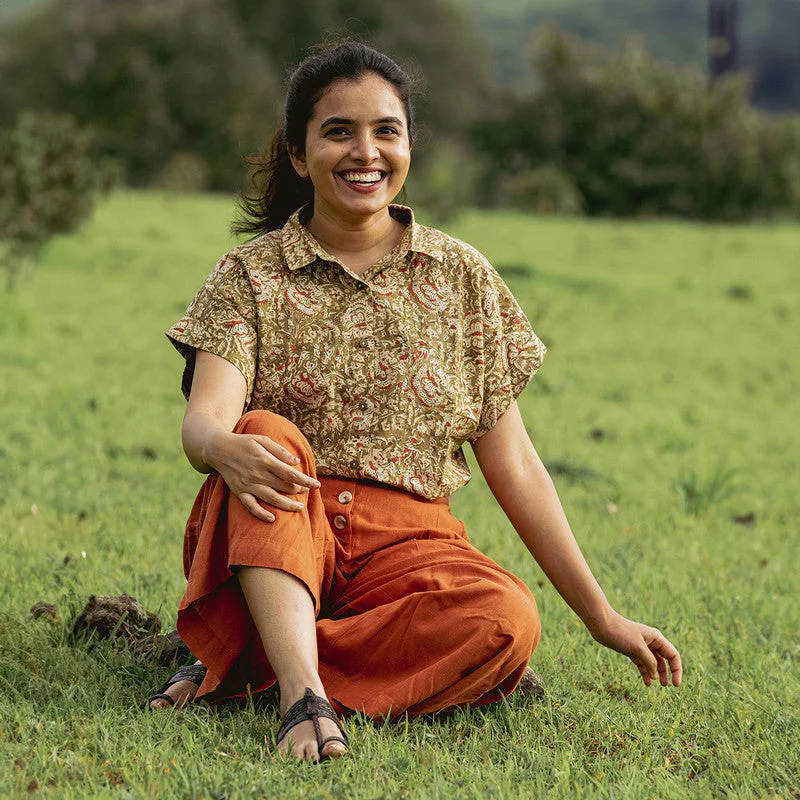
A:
(300, 248)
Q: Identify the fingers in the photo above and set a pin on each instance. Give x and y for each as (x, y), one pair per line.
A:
(294, 481)
(253, 501)
(646, 663)
(252, 505)
(665, 657)
(669, 657)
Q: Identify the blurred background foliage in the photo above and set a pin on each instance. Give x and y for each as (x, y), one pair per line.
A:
(548, 106)
(673, 30)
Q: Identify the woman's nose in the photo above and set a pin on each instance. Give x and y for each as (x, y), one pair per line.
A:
(365, 148)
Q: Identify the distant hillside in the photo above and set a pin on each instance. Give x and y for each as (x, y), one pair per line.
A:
(673, 30)
(13, 8)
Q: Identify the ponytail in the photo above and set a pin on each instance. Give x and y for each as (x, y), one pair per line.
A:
(279, 191)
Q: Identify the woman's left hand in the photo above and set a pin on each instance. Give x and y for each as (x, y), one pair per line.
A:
(652, 653)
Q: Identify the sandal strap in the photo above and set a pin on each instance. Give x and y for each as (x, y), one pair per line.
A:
(191, 672)
(195, 673)
(310, 707)
(333, 739)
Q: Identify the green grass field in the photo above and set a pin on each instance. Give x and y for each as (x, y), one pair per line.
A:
(666, 409)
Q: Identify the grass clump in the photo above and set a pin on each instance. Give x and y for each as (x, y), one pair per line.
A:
(700, 494)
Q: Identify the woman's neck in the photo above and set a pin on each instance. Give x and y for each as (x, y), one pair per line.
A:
(359, 243)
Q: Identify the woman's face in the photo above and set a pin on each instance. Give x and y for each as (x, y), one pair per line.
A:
(357, 150)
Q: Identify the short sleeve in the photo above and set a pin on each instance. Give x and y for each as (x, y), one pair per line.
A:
(221, 319)
(511, 353)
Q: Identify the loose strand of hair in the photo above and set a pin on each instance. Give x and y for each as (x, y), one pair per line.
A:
(278, 191)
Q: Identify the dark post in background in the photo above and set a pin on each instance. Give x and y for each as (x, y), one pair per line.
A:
(723, 37)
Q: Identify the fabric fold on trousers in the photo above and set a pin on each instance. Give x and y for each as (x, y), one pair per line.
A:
(411, 617)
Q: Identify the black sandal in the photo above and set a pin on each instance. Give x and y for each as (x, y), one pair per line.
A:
(193, 672)
(312, 707)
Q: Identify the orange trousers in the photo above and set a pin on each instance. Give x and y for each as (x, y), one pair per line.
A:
(411, 618)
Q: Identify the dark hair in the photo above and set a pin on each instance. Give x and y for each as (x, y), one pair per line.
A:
(280, 191)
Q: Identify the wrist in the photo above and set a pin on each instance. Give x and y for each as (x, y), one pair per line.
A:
(598, 619)
(213, 448)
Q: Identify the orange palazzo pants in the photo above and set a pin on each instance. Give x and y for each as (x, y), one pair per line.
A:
(411, 618)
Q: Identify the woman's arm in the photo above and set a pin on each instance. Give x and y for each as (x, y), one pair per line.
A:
(254, 467)
(522, 486)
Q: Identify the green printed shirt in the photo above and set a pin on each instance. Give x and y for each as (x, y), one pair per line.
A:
(386, 374)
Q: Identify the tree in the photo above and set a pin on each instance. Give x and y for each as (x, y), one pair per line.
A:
(49, 181)
(178, 90)
(154, 79)
(640, 137)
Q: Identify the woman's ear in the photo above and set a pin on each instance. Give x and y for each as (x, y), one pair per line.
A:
(298, 162)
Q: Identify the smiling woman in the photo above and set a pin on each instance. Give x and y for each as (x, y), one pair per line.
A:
(335, 367)
(356, 153)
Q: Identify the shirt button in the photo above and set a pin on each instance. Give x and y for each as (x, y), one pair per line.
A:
(364, 342)
(353, 464)
(340, 522)
(362, 406)
(345, 498)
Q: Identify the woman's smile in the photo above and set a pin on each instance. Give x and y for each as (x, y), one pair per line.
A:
(362, 180)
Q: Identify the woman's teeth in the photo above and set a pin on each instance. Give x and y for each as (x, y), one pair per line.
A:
(362, 177)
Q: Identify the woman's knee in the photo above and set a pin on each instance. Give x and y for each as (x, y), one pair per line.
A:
(276, 427)
(516, 618)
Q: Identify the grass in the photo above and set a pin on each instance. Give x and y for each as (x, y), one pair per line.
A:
(700, 494)
(672, 351)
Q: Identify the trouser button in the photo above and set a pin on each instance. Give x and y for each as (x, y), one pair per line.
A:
(345, 498)
(339, 522)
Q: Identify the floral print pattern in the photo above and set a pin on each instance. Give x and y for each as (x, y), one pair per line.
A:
(387, 374)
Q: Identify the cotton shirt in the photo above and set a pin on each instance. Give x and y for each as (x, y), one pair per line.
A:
(387, 374)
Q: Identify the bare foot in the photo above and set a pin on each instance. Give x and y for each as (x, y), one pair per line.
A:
(301, 740)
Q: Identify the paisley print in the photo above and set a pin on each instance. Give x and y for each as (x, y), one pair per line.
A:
(432, 292)
(387, 374)
(309, 301)
(427, 387)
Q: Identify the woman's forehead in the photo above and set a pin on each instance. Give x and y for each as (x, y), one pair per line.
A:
(360, 98)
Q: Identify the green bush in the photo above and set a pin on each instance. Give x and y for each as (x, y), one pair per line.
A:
(639, 137)
(443, 183)
(153, 79)
(49, 181)
(179, 90)
(543, 190)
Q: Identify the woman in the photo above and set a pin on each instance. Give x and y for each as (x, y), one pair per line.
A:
(321, 554)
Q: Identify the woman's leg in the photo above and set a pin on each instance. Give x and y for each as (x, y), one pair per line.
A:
(283, 612)
(254, 589)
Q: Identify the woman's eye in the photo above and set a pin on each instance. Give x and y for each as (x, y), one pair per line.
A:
(337, 132)
(387, 130)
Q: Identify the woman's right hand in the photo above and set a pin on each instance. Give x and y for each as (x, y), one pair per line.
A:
(255, 468)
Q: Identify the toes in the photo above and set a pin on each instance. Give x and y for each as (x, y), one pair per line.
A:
(301, 743)
(334, 750)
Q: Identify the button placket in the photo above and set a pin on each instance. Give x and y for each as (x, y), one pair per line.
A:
(341, 521)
